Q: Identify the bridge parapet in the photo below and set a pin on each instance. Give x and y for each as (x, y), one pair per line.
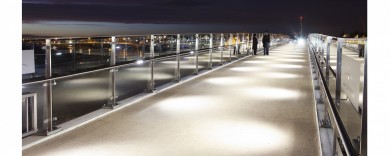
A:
(91, 73)
(340, 67)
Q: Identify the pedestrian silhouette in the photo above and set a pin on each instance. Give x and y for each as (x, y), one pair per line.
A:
(266, 42)
(254, 44)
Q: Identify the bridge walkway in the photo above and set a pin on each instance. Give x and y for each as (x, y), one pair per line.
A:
(260, 105)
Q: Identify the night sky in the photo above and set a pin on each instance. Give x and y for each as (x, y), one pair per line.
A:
(126, 17)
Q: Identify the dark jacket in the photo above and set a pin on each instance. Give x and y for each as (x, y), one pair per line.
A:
(254, 42)
(266, 41)
(266, 38)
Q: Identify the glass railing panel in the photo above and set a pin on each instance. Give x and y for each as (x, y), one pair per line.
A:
(331, 122)
(235, 54)
(217, 51)
(272, 39)
(33, 58)
(242, 44)
(164, 45)
(130, 48)
(272, 36)
(333, 67)
(354, 44)
(335, 138)
(247, 36)
(249, 41)
(121, 53)
(226, 39)
(227, 53)
(132, 79)
(321, 53)
(259, 43)
(204, 41)
(203, 60)
(242, 49)
(216, 40)
(39, 89)
(146, 53)
(260, 40)
(351, 104)
(187, 42)
(187, 64)
(80, 94)
(236, 46)
(164, 70)
(77, 55)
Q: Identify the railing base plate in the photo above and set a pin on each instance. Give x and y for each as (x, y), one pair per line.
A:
(47, 132)
(110, 106)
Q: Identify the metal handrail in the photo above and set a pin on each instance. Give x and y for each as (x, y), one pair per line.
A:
(135, 35)
(335, 113)
(170, 56)
(331, 69)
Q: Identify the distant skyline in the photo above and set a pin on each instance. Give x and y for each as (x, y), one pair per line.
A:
(125, 17)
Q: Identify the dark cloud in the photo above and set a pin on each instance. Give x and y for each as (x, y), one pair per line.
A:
(184, 3)
(96, 2)
(163, 13)
(326, 16)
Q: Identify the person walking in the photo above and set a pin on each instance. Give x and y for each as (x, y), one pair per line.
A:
(266, 42)
(254, 44)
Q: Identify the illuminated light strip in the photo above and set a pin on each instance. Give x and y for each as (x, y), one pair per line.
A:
(288, 56)
(292, 60)
(187, 103)
(286, 66)
(228, 80)
(246, 69)
(270, 93)
(257, 62)
(244, 134)
(280, 75)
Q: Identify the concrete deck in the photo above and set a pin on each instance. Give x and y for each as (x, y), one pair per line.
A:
(261, 105)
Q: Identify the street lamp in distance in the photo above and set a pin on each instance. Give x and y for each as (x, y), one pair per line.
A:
(300, 20)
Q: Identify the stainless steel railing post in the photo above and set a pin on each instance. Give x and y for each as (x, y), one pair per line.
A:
(221, 49)
(230, 47)
(338, 75)
(196, 54)
(211, 52)
(48, 87)
(237, 42)
(113, 51)
(177, 69)
(246, 44)
(328, 59)
(111, 102)
(48, 92)
(150, 85)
